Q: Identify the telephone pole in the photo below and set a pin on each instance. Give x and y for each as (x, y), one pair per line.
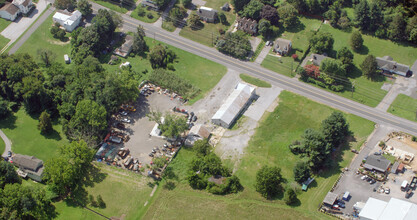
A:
(353, 87)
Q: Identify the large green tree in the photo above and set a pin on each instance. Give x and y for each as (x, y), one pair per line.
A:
(335, 128)
(202, 147)
(290, 196)
(316, 148)
(239, 5)
(288, 15)
(345, 56)
(235, 44)
(84, 7)
(252, 10)
(8, 174)
(362, 15)
(370, 67)
(268, 181)
(45, 123)
(301, 171)
(356, 40)
(321, 42)
(139, 43)
(270, 13)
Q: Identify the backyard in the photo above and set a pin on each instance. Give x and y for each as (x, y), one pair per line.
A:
(22, 131)
(269, 146)
(404, 106)
(208, 34)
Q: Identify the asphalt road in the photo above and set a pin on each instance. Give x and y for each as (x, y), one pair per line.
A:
(279, 80)
(7, 142)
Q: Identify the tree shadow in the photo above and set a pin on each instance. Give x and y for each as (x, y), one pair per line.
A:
(354, 72)
(296, 28)
(364, 50)
(9, 122)
(197, 27)
(93, 176)
(53, 134)
(296, 203)
(378, 78)
(78, 197)
(170, 185)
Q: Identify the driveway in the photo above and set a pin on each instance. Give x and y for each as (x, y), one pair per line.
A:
(18, 27)
(7, 142)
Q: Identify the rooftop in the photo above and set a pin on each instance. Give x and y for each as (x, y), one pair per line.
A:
(282, 44)
(27, 162)
(330, 198)
(387, 63)
(394, 209)
(10, 8)
(377, 162)
(206, 12)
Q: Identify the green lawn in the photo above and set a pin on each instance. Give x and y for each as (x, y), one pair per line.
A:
(3, 41)
(43, 39)
(404, 106)
(2, 146)
(268, 146)
(168, 25)
(155, 15)
(22, 131)
(299, 38)
(3, 24)
(200, 72)
(210, 31)
(254, 81)
(112, 6)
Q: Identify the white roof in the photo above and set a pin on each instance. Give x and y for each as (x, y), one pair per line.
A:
(404, 184)
(234, 103)
(372, 209)
(206, 8)
(396, 209)
(61, 16)
(66, 18)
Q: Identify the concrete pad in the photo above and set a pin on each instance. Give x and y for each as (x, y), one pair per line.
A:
(267, 97)
(386, 86)
(16, 28)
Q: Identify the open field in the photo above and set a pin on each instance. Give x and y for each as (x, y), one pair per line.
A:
(254, 81)
(22, 131)
(155, 15)
(210, 31)
(269, 146)
(113, 6)
(405, 107)
(200, 72)
(43, 39)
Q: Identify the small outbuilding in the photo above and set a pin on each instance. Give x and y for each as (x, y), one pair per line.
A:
(9, 11)
(150, 5)
(197, 132)
(67, 59)
(225, 7)
(316, 59)
(126, 47)
(330, 199)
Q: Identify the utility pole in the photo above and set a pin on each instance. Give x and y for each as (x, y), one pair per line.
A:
(212, 41)
(353, 87)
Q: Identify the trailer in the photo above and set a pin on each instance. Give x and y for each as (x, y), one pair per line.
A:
(346, 196)
(413, 183)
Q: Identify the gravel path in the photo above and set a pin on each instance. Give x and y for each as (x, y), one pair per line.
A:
(7, 142)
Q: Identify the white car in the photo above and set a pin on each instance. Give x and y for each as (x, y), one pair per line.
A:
(387, 191)
(124, 113)
(126, 120)
(364, 177)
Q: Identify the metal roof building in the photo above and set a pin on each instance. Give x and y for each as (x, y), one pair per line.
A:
(234, 105)
(376, 209)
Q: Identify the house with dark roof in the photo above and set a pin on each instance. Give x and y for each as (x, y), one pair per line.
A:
(377, 163)
(9, 12)
(126, 47)
(197, 132)
(282, 46)
(150, 5)
(207, 14)
(29, 166)
(387, 64)
(316, 59)
(247, 25)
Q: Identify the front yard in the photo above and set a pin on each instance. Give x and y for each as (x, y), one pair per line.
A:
(404, 106)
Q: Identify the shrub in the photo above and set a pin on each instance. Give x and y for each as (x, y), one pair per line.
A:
(141, 12)
(414, 138)
(149, 15)
(196, 181)
(320, 83)
(337, 88)
(294, 56)
(174, 83)
(100, 202)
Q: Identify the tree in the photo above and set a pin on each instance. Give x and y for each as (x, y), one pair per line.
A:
(160, 56)
(375, 16)
(288, 15)
(316, 148)
(370, 67)
(46, 56)
(239, 5)
(235, 44)
(411, 30)
(84, 7)
(335, 128)
(88, 123)
(356, 40)
(202, 147)
(65, 171)
(194, 21)
(362, 15)
(141, 11)
(177, 15)
(196, 181)
(8, 174)
(268, 181)
(187, 3)
(45, 124)
(396, 28)
(252, 10)
(4, 108)
(312, 70)
(139, 43)
(65, 4)
(171, 126)
(322, 42)
(101, 202)
(301, 171)
(264, 28)
(334, 69)
(345, 56)
(223, 18)
(290, 196)
(270, 13)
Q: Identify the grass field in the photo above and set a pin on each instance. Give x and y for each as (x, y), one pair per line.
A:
(2, 146)
(43, 39)
(299, 37)
(269, 146)
(210, 31)
(22, 131)
(200, 72)
(3, 41)
(112, 6)
(155, 15)
(124, 193)
(405, 107)
(168, 25)
(254, 81)
(3, 24)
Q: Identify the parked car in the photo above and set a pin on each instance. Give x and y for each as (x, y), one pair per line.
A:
(372, 181)
(364, 177)
(115, 139)
(124, 113)
(9, 154)
(341, 205)
(194, 118)
(387, 191)
(336, 207)
(126, 120)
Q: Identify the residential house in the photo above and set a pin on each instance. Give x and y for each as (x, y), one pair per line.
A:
(197, 132)
(67, 19)
(150, 5)
(316, 59)
(207, 14)
(247, 25)
(9, 12)
(29, 166)
(24, 5)
(234, 105)
(126, 47)
(387, 64)
(282, 46)
(377, 163)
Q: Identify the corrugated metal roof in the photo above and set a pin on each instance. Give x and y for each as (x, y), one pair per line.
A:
(373, 209)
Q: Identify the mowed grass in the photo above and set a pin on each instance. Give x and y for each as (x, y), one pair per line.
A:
(168, 25)
(112, 5)
(43, 39)
(26, 139)
(208, 34)
(155, 15)
(254, 81)
(299, 37)
(124, 193)
(269, 146)
(3, 41)
(404, 106)
(3, 24)
(2, 146)
(200, 72)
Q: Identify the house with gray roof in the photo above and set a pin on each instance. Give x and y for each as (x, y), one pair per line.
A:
(247, 25)
(387, 64)
(316, 59)
(29, 166)
(126, 47)
(282, 46)
(207, 14)
(377, 163)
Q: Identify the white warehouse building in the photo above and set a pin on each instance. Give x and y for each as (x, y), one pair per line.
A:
(68, 20)
(395, 209)
(238, 101)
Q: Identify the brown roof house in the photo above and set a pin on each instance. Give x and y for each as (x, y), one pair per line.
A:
(207, 14)
(282, 46)
(247, 25)
(29, 166)
(9, 12)
(388, 64)
(126, 47)
(197, 132)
